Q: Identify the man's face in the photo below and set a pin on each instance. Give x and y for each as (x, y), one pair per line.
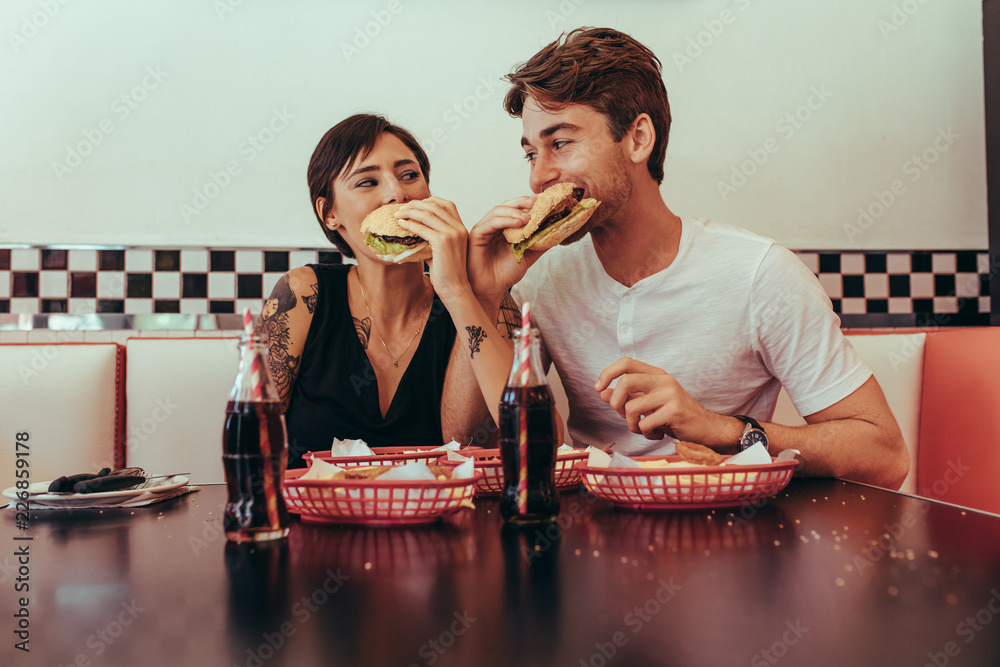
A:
(575, 144)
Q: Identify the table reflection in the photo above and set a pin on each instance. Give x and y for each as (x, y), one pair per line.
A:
(373, 552)
(691, 531)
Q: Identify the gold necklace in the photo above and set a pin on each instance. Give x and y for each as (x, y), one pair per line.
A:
(395, 360)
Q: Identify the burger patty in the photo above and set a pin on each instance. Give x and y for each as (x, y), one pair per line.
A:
(566, 207)
(403, 240)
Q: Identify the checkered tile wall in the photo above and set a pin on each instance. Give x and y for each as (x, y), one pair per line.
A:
(144, 280)
(942, 288)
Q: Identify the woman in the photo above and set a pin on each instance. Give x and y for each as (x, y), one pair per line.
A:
(369, 351)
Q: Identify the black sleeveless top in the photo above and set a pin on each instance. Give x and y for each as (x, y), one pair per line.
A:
(336, 393)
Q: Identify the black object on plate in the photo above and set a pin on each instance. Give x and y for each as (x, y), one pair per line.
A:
(66, 484)
(108, 483)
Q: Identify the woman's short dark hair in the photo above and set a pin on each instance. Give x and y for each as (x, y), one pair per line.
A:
(605, 70)
(344, 143)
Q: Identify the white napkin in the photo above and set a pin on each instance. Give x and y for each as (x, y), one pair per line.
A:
(622, 461)
(455, 456)
(787, 455)
(566, 449)
(350, 448)
(598, 459)
(410, 471)
(452, 446)
(321, 470)
(465, 470)
(420, 470)
(754, 455)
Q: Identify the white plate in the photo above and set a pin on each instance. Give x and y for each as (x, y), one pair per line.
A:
(38, 493)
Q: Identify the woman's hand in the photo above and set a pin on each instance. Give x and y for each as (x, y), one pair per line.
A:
(492, 269)
(437, 221)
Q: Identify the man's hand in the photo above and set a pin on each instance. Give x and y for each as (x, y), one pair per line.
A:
(491, 265)
(654, 403)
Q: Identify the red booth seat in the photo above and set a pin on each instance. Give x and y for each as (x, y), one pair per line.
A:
(959, 453)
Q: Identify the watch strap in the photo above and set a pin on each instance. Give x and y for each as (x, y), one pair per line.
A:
(751, 421)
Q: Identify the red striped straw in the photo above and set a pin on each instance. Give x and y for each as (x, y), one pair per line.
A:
(524, 352)
(255, 390)
(257, 393)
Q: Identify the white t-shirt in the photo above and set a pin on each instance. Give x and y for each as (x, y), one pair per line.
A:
(733, 318)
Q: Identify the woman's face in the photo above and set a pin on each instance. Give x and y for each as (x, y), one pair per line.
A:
(388, 175)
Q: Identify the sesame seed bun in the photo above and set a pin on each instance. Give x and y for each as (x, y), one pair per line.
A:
(552, 199)
(383, 222)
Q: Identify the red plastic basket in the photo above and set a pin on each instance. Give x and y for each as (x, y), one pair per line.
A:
(383, 456)
(693, 487)
(491, 483)
(373, 502)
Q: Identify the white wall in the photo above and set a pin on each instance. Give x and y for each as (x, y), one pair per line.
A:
(890, 81)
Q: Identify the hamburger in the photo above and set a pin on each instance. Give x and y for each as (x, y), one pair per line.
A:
(389, 241)
(557, 213)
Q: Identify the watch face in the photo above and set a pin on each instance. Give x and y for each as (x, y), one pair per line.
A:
(753, 437)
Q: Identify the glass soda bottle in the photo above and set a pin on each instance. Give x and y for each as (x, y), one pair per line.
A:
(528, 437)
(254, 451)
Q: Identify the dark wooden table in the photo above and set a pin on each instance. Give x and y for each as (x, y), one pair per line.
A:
(827, 573)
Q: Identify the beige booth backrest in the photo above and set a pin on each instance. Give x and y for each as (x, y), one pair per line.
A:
(67, 398)
(897, 361)
(177, 390)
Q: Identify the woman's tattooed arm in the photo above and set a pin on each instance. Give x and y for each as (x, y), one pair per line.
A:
(283, 325)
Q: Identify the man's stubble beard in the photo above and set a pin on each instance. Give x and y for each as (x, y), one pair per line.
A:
(604, 222)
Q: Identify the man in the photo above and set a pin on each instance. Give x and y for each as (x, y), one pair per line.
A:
(662, 326)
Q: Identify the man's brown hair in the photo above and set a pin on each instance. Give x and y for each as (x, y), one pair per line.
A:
(348, 140)
(605, 70)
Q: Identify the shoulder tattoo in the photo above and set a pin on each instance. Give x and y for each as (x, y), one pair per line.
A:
(363, 329)
(272, 328)
(310, 299)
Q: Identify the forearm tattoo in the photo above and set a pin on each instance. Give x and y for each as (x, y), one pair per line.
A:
(476, 336)
(273, 328)
(509, 316)
(363, 329)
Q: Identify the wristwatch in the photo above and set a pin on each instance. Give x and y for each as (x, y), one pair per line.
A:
(752, 433)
